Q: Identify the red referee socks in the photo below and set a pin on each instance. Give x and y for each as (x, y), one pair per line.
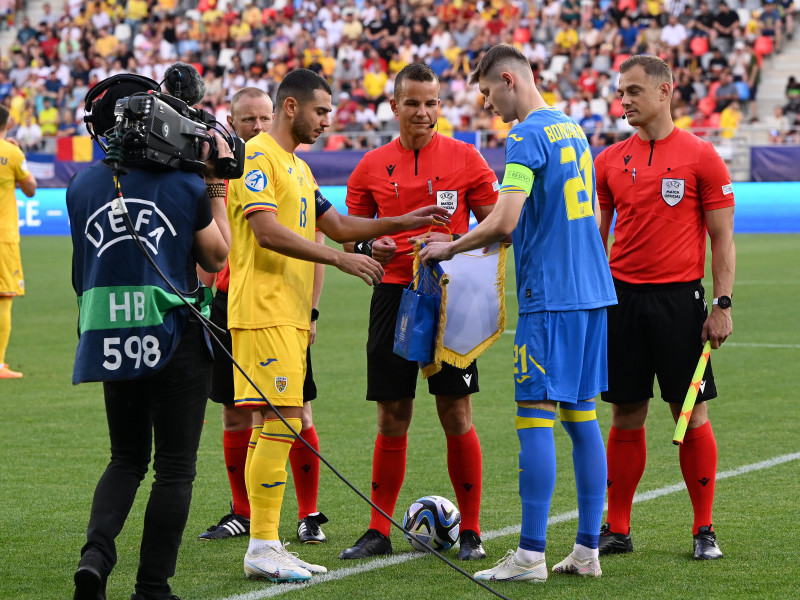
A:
(235, 444)
(388, 472)
(464, 463)
(698, 456)
(305, 472)
(626, 454)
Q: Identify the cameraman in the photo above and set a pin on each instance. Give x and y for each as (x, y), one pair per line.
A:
(140, 340)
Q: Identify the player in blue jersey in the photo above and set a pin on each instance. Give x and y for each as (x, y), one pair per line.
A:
(563, 286)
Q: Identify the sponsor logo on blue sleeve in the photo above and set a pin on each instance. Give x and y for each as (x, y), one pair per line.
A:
(255, 180)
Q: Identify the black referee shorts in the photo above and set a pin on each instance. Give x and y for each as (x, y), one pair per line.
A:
(392, 377)
(654, 331)
(222, 368)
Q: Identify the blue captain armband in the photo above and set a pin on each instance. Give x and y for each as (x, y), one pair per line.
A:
(321, 202)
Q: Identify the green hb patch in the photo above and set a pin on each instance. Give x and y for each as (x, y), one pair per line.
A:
(119, 307)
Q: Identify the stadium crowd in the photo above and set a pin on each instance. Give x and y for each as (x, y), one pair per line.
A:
(716, 50)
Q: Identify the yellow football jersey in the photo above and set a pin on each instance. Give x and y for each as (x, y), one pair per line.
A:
(268, 289)
(13, 169)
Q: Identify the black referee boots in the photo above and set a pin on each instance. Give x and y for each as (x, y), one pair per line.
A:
(614, 543)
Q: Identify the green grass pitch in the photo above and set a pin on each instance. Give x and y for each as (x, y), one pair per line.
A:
(54, 446)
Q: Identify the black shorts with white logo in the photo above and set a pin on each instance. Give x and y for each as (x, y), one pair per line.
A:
(392, 377)
(655, 331)
(222, 368)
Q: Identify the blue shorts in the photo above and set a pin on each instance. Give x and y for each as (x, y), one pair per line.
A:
(560, 356)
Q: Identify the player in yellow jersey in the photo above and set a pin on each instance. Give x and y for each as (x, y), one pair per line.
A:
(273, 211)
(13, 172)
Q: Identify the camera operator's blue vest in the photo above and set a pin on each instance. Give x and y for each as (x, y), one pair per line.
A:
(130, 322)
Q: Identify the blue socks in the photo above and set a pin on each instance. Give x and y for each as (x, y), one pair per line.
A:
(589, 461)
(537, 471)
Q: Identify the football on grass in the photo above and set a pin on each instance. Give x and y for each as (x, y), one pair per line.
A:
(434, 520)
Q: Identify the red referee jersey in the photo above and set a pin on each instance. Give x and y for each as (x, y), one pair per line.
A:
(391, 181)
(661, 191)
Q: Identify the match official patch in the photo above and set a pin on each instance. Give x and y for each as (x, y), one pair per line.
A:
(727, 189)
(447, 199)
(255, 180)
(672, 190)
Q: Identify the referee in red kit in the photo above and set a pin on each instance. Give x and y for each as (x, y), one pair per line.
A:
(668, 188)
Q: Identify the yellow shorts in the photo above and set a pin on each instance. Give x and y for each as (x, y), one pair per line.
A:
(275, 359)
(12, 283)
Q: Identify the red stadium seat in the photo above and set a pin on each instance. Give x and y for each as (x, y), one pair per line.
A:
(706, 105)
(618, 60)
(698, 45)
(763, 46)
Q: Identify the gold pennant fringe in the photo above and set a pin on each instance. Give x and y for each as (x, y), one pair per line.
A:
(443, 354)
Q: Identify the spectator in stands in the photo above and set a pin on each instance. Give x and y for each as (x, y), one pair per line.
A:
(726, 24)
(780, 130)
(67, 125)
(26, 34)
(346, 76)
(29, 135)
(726, 92)
(352, 28)
(592, 125)
(5, 86)
(652, 35)
(566, 39)
(792, 93)
(753, 80)
(729, 120)
(439, 65)
(48, 118)
(374, 82)
(772, 24)
(787, 9)
(704, 22)
(681, 117)
(627, 36)
(674, 33)
(717, 64)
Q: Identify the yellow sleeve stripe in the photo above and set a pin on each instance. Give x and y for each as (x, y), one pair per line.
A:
(510, 189)
(578, 416)
(530, 422)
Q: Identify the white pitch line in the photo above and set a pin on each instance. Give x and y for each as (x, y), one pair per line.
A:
(754, 345)
(726, 345)
(388, 561)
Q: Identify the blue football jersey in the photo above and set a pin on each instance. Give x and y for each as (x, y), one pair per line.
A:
(560, 261)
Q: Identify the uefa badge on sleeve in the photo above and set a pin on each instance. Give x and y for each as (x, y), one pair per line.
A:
(672, 190)
(280, 384)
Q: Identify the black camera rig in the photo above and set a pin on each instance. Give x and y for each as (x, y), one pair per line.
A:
(153, 129)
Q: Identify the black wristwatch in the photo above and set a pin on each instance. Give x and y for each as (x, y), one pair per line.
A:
(722, 302)
(314, 314)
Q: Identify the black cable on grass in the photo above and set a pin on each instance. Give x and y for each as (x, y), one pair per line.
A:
(212, 330)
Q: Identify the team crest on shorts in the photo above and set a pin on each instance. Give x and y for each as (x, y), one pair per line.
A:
(447, 199)
(672, 190)
(281, 383)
